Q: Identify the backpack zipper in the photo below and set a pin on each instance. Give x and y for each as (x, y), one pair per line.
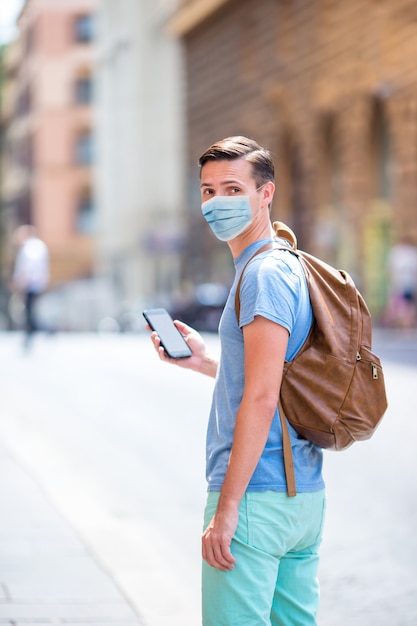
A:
(374, 371)
(373, 365)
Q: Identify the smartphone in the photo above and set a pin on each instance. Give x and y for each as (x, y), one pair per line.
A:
(172, 341)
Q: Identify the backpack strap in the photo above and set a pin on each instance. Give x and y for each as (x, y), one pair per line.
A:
(286, 233)
(287, 453)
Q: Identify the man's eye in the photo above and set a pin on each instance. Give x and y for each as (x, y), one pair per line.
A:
(235, 190)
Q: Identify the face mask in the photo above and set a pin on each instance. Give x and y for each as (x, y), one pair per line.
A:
(227, 216)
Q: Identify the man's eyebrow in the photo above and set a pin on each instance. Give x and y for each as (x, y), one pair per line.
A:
(224, 182)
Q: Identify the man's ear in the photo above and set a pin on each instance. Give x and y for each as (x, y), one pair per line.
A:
(268, 192)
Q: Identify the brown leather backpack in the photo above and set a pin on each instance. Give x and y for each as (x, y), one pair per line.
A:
(333, 391)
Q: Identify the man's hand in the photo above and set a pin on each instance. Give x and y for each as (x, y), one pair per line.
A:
(200, 361)
(217, 538)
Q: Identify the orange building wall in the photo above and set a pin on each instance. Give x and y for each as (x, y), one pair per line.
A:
(52, 63)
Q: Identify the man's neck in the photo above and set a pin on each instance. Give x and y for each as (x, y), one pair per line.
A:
(239, 244)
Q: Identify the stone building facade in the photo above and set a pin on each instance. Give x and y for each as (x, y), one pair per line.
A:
(140, 142)
(331, 88)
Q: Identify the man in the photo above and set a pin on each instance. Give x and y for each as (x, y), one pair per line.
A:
(402, 272)
(260, 547)
(31, 272)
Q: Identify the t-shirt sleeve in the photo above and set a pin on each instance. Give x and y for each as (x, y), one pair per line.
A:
(270, 288)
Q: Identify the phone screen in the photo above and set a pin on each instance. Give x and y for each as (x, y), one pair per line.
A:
(172, 341)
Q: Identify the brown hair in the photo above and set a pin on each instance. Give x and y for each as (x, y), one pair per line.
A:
(238, 147)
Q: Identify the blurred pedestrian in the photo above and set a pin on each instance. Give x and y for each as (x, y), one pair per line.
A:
(402, 273)
(260, 546)
(31, 273)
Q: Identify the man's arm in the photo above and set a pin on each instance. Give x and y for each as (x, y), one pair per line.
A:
(265, 345)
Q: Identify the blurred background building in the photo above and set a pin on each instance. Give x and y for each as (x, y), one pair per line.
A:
(140, 134)
(47, 142)
(93, 132)
(331, 88)
(108, 105)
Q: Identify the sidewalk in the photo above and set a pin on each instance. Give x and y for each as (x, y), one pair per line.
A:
(47, 575)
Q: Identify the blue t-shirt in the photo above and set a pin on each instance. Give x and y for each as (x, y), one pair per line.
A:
(274, 287)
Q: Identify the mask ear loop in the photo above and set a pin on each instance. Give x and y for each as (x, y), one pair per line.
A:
(263, 185)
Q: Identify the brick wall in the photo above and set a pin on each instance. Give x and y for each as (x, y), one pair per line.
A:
(331, 88)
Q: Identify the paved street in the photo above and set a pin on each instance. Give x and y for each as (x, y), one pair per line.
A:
(102, 485)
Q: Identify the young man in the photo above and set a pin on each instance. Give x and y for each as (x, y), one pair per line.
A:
(260, 547)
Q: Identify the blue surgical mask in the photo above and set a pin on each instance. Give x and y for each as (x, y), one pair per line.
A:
(227, 216)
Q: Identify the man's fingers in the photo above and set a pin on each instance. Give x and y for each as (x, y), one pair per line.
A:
(217, 553)
(183, 327)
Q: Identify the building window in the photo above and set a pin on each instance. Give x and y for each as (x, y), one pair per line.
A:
(23, 153)
(24, 101)
(23, 208)
(83, 27)
(85, 213)
(29, 41)
(83, 90)
(84, 148)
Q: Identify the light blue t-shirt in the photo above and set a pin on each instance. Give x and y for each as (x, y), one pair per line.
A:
(274, 287)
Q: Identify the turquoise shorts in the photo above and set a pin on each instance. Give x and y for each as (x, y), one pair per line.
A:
(274, 581)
